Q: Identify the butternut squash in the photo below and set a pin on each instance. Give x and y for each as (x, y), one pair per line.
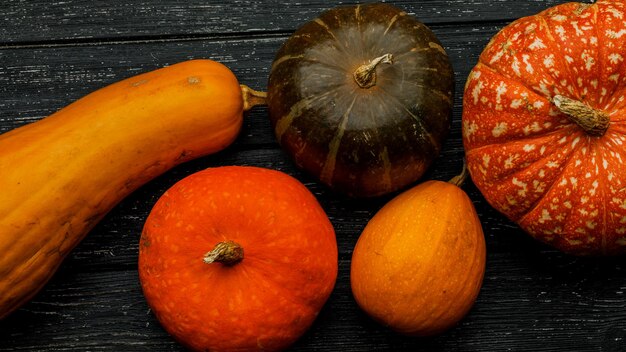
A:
(62, 174)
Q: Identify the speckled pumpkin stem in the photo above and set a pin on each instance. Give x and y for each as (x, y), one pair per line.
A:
(252, 98)
(594, 122)
(228, 253)
(458, 180)
(365, 75)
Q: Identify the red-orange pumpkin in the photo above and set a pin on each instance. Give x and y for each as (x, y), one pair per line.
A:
(544, 125)
(237, 259)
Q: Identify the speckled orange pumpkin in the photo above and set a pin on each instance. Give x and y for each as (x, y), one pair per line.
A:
(237, 259)
(544, 126)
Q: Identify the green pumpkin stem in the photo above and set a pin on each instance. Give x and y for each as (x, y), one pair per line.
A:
(365, 75)
(458, 180)
(228, 253)
(594, 122)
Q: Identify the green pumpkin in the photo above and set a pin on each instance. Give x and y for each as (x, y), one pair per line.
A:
(361, 97)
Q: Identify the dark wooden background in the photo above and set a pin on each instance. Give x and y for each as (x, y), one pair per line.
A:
(53, 52)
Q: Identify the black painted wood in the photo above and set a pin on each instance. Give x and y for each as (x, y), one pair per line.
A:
(39, 21)
(51, 53)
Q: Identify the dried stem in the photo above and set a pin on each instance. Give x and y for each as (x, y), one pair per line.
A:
(252, 98)
(594, 122)
(228, 253)
(365, 75)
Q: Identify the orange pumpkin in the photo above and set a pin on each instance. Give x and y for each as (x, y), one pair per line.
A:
(544, 126)
(237, 258)
(419, 263)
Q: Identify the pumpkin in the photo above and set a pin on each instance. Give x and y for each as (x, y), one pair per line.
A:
(62, 174)
(417, 273)
(237, 259)
(544, 126)
(361, 98)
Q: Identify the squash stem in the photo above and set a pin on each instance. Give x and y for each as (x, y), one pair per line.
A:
(594, 122)
(228, 253)
(458, 180)
(365, 75)
(252, 98)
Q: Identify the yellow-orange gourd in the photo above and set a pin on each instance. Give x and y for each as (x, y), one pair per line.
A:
(419, 263)
(60, 175)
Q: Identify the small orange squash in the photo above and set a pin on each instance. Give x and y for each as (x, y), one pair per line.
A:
(62, 174)
(237, 259)
(419, 263)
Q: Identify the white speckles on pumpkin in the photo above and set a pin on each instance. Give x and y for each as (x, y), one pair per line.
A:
(588, 59)
(545, 216)
(544, 89)
(511, 200)
(476, 92)
(498, 55)
(591, 225)
(538, 186)
(469, 128)
(537, 44)
(615, 58)
(574, 242)
(534, 127)
(615, 12)
(548, 62)
(516, 103)
(515, 66)
(611, 34)
(579, 32)
(499, 129)
(500, 90)
(511, 161)
(523, 187)
(486, 160)
(529, 66)
(552, 164)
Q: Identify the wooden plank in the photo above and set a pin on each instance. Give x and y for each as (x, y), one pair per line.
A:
(552, 308)
(40, 21)
(533, 298)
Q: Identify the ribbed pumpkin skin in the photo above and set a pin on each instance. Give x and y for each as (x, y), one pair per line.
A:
(264, 302)
(418, 266)
(561, 185)
(62, 174)
(362, 141)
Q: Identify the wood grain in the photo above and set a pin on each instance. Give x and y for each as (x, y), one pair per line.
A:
(51, 53)
(39, 21)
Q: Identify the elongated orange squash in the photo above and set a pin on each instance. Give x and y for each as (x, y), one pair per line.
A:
(60, 175)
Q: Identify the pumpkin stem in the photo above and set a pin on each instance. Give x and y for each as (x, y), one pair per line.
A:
(594, 122)
(228, 253)
(458, 180)
(365, 75)
(252, 98)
